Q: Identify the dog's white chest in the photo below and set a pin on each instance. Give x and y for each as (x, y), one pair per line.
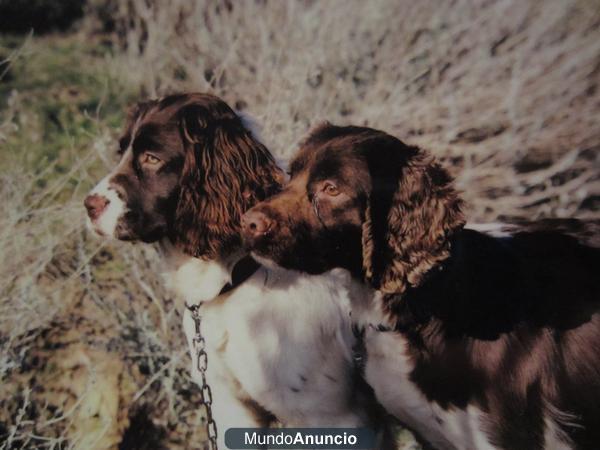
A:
(287, 343)
(452, 429)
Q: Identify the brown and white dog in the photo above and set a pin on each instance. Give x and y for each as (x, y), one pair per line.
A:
(280, 344)
(474, 341)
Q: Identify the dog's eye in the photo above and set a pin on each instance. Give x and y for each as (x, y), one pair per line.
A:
(330, 189)
(150, 159)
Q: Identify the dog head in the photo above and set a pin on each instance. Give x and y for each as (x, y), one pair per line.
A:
(363, 200)
(188, 170)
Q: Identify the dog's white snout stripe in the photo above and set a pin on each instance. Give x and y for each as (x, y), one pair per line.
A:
(106, 223)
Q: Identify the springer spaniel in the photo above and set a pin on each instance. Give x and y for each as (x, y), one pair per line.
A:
(280, 343)
(473, 341)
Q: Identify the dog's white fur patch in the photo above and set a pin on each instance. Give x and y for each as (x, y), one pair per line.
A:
(106, 223)
(283, 338)
(554, 437)
(194, 280)
(388, 371)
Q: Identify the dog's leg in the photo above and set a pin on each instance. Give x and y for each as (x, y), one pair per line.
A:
(231, 407)
(231, 411)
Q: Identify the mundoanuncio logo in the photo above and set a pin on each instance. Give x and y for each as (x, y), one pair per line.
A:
(299, 438)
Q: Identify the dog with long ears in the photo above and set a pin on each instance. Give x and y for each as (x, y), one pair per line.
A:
(474, 341)
(279, 342)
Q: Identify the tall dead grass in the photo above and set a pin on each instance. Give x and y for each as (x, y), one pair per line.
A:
(499, 89)
(92, 353)
(506, 92)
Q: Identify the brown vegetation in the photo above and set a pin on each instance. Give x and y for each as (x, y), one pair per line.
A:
(506, 93)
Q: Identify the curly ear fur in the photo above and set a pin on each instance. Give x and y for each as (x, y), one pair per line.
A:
(406, 232)
(226, 171)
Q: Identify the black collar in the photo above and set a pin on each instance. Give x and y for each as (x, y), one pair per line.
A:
(243, 269)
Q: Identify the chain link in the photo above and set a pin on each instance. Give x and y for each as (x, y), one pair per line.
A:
(199, 345)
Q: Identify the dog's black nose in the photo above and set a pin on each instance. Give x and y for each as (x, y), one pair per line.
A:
(256, 224)
(95, 204)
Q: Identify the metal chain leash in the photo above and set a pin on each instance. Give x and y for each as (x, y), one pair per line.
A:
(201, 363)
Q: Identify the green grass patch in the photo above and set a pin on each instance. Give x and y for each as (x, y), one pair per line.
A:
(56, 96)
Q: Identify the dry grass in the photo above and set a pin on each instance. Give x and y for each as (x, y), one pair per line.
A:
(499, 88)
(506, 92)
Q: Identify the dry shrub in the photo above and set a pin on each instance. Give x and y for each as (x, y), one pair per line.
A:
(507, 93)
(92, 351)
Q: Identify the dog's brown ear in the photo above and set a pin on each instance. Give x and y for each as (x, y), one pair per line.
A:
(226, 171)
(412, 212)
